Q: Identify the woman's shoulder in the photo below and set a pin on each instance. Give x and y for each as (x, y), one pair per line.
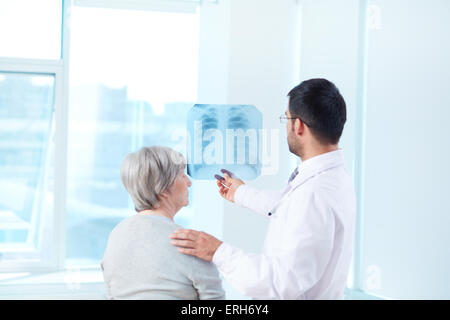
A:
(138, 224)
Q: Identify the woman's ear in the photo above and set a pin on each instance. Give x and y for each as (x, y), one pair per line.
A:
(163, 195)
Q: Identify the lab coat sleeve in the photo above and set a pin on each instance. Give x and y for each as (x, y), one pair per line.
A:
(288, 274)
(259, 201)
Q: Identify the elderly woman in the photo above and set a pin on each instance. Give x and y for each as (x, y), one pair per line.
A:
(140, 262)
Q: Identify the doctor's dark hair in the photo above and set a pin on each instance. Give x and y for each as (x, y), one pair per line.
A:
(319, 104)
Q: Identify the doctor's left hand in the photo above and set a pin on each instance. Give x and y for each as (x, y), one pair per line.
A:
(195, 243)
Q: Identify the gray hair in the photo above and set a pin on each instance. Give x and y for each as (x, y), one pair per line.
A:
(149, 172)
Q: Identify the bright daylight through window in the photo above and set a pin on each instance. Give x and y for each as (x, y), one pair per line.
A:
(133, 77)
(30, 49)
(26, 164)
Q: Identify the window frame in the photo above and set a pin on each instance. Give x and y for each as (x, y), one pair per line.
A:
(54, 68)
(30, 279)
(186, 6)
(59, 68)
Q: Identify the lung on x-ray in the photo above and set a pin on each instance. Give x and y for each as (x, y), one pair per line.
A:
(223, 137)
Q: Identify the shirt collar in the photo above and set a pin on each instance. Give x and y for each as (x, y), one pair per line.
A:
(317, 164)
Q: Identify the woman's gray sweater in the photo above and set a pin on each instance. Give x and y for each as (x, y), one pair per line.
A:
(140, 263)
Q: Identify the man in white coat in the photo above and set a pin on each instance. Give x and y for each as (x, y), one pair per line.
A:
(308, 247)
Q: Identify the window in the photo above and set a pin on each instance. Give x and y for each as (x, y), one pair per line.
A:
(26, 165)
(31, 113)
(131, 88)
(64, 134)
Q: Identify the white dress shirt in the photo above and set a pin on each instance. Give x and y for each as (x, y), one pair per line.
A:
(308, 247)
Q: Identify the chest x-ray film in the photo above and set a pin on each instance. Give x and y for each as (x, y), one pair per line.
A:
(223, 137)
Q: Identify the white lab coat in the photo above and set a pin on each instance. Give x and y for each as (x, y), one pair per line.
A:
(308, 247)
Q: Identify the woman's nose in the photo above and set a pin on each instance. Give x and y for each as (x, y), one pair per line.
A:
(189, 183)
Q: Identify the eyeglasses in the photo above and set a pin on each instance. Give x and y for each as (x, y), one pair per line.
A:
(284, 119)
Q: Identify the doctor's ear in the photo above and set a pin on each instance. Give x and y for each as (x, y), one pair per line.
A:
(299, 127)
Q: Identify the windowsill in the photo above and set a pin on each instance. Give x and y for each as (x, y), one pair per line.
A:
(351, 294)
(87, 284)
(68, 284)
(73, 284)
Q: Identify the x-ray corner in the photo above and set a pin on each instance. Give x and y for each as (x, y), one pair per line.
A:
(223, 136)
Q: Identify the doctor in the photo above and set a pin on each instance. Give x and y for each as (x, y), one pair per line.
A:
(309, 242)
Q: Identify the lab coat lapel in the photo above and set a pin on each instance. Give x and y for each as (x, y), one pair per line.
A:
(309, 169)
(316, 165)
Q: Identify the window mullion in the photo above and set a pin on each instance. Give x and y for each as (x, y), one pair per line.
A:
(62, 110)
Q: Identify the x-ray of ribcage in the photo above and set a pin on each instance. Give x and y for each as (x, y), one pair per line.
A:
(224, 137)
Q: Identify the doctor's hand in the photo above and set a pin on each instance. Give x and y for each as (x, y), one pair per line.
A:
(231, 186)
(195, 243)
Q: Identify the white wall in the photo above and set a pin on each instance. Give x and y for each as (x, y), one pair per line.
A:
(330, 47)
(261, 72)
(214, 56)
(396, 84)
(249, 55)
(407, 176)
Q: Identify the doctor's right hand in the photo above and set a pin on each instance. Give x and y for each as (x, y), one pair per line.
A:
(231, 185)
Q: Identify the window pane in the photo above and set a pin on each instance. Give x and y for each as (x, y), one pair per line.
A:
(30, 29)
(26, 173)
(131, 84)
